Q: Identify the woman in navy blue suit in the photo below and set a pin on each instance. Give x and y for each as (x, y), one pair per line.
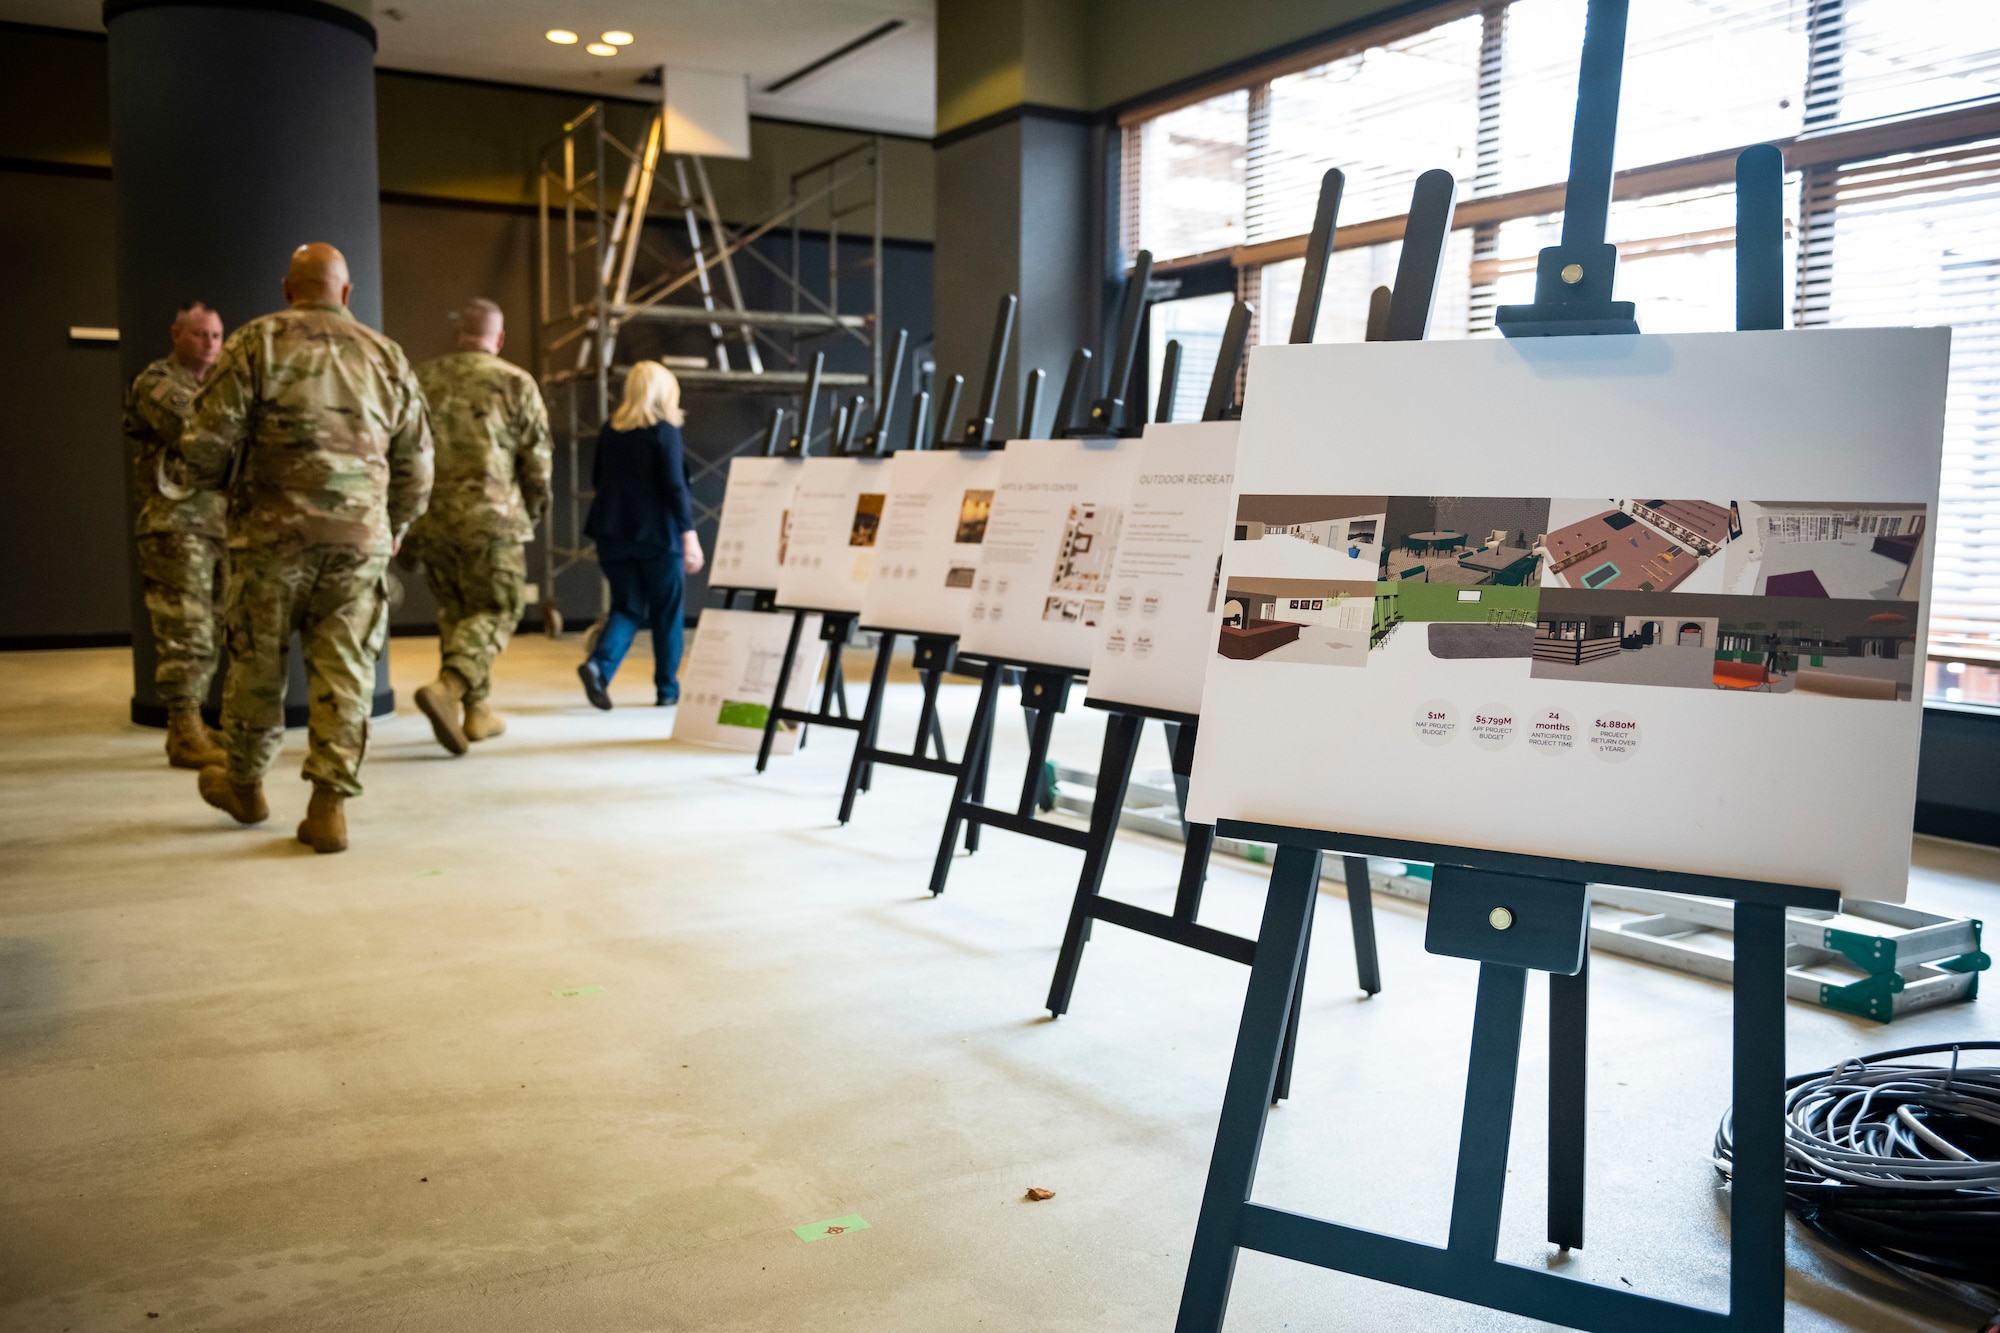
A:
(642, 521)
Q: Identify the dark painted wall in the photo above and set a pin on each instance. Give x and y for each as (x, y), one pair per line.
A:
(62, 475)
(1018, 212)
(62, 496)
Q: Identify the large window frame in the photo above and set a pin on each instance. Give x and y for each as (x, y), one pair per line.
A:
(1824, 153)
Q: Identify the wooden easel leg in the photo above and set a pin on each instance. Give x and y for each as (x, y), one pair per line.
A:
(1569, 1050)
(982, 767)
(836, 672)
(1253, 1072)
(970, 783)
(1114, 775)
(1361, 912)
(1040, 733)
(1757, 1122)
(1486, 1125)
(1194, 871)
(1199, 839)
(1289, 1056)
(771, 721)
(871, 721)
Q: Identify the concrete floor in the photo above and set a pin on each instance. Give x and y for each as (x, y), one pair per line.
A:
(244, 1087)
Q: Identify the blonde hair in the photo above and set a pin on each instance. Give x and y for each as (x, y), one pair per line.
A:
(652, 395)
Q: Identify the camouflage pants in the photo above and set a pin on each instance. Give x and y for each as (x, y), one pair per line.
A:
(336, 598)
(480, 591)
(177, 571)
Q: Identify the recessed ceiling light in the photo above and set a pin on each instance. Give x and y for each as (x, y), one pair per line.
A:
(561, 36)
(616, 38)
(600, 49)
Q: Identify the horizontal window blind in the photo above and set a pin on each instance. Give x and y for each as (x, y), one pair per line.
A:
(1896, 232)
(1915, 239)
(1190, 176)
(1893, 57)
(1383, 116)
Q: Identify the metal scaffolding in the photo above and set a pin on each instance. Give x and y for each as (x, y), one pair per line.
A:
(598, 273)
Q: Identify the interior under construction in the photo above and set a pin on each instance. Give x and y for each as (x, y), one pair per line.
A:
(635, 260)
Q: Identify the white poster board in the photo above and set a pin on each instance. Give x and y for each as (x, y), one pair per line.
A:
(1552, 659)
(756, 515)
(933, 530)
(1044, 578)
(836, 517)
(1154, 645)
(731, 676)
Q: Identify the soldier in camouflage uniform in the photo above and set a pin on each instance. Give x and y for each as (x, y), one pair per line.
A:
(493, 462)
(318, 427)
(180, 535)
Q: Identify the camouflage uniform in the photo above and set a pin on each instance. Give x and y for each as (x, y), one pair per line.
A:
(336, 464)
(180, 534)
(493, 464)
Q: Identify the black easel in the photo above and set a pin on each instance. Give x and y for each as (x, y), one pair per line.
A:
(933, 655)
(1406, 317)
(936, 655)
(836, 627)
(1512, 913)
(1045, 688)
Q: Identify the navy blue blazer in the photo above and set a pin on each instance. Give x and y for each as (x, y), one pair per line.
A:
(642, 504)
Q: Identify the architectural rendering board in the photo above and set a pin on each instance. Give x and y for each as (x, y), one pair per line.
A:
(1044, 580)
(756, 511)
(1723, 684)
(731, 676)
(1152, 647)
(836, 518)
(933, 530)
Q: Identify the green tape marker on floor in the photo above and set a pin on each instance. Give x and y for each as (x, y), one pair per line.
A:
(839, 1226)
(577, 992)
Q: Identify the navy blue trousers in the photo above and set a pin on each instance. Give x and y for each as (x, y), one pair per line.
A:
(646, 593)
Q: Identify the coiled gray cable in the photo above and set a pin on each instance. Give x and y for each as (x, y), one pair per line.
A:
(1899, 1160)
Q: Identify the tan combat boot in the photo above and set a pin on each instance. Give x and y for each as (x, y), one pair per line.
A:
(439, 701)
(245, 805)
(481, 722)
(324, 829)
(188, 743)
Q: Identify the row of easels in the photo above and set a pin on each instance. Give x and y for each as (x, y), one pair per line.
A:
(1546, 898)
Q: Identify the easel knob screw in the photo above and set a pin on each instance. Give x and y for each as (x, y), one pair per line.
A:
(1572, 274)
(1500, 918)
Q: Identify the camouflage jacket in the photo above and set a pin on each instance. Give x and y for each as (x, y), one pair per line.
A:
(156, 407)
(493, 452)
(335, 441)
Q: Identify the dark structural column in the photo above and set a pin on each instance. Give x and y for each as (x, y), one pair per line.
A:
(1018, 204)
(240, 129)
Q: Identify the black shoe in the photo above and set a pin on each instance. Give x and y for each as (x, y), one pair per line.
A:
(666, 698)
(593, 685)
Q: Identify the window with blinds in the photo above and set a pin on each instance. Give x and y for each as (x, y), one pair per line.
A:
(1915, 239)
(1888, 112)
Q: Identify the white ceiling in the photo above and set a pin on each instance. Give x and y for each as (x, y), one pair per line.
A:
(889, 85)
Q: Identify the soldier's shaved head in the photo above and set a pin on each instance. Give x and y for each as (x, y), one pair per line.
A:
(317, 276)
(481, 325)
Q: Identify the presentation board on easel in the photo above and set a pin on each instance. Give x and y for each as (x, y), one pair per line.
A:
(731, 677)
(750, 534)
(933, 531)
(1044, 578)
(1555, 660)
(1153, 646)
(836, 517)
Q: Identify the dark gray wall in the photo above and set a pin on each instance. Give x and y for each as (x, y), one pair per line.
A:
(62, 464)
(62, 472)
(978, 255)
(1016, 213)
